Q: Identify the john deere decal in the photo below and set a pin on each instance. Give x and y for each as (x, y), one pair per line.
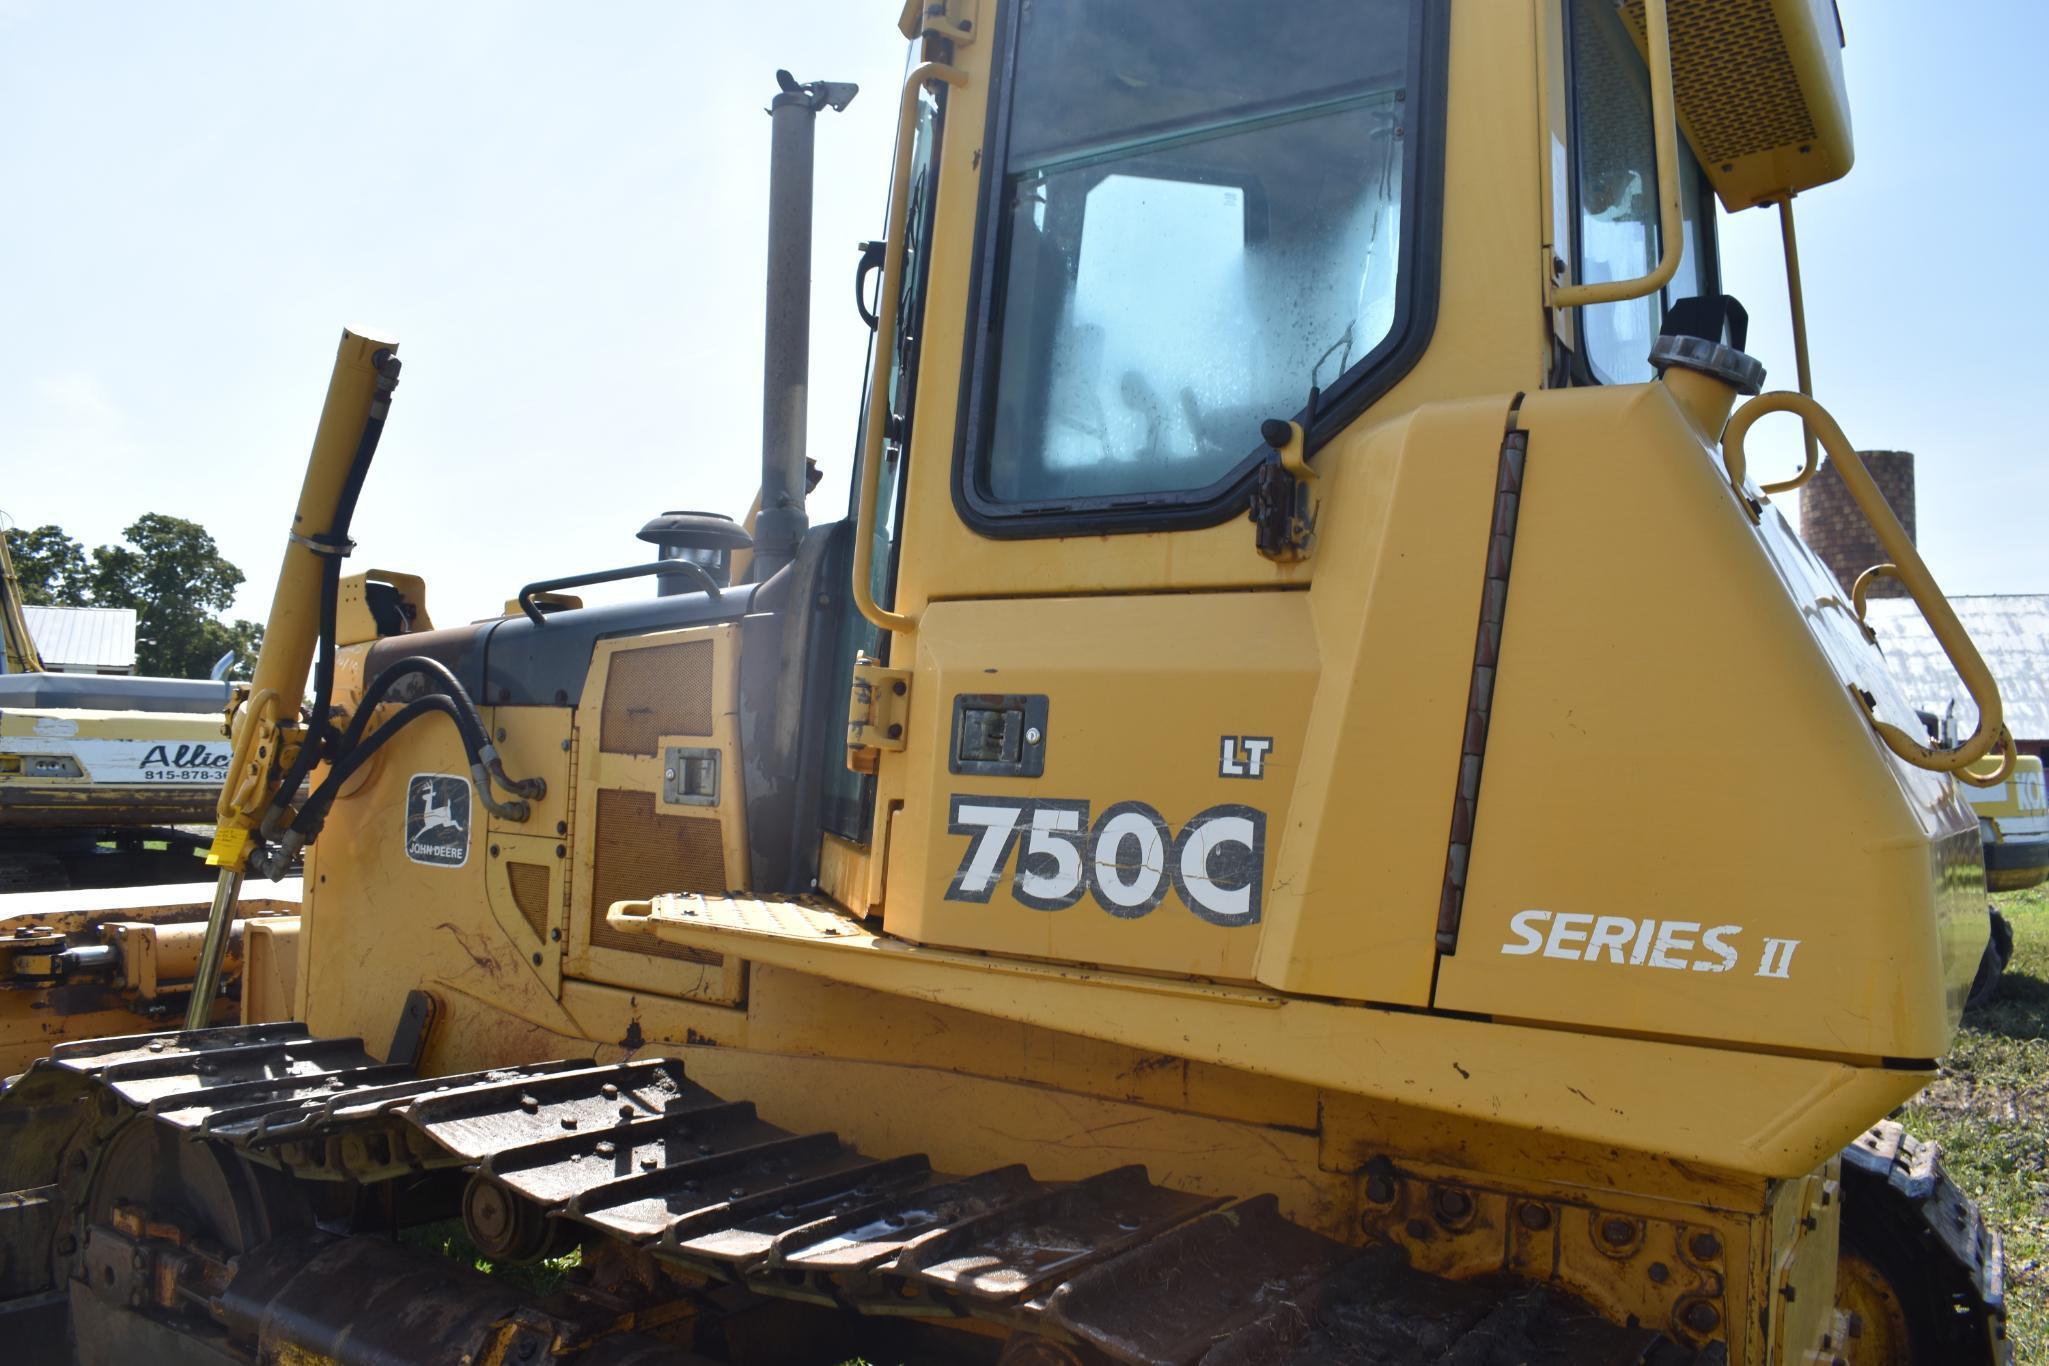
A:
(438, 820)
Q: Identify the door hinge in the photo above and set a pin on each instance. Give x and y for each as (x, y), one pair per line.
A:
(877, 710)
(1283, 507)
(953, 20)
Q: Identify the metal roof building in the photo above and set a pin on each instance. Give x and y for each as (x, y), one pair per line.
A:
(2011, 631)
(91, 640)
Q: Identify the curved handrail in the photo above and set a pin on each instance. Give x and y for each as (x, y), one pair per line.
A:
(886, 308)
(1906, 566)
(1860, 591)
(2008, 757)
(1665, 141)
(695, 570)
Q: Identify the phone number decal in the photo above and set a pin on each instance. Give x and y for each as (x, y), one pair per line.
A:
(1127, 859)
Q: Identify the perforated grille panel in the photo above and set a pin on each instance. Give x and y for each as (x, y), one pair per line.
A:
(662, 690)
(641, 853)
(529, 882)
(1731, 75)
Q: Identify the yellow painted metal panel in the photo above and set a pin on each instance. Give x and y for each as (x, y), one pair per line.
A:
(1758, 1112)
(717, 835)
(1143, 693)
(1686, 824)
(1402, 551)
(381, 923)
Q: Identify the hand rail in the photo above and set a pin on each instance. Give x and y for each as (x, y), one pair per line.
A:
(1860, 591)
(1906, 566)
(886, 309)
(1665, 141)
(631, 571)
(2008, 757)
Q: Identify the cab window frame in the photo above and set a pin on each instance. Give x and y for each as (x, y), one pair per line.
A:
(1418, 261)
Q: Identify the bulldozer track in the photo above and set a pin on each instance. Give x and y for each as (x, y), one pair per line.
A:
(1963, 1261)
(1124, 1268)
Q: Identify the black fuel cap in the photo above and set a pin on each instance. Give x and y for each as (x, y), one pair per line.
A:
(1706, 333)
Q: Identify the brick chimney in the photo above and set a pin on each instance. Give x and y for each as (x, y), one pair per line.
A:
(1832, 523)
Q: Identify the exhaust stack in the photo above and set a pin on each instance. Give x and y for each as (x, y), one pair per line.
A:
(786, 363)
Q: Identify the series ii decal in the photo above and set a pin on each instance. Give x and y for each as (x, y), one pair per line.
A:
(1127, 859)
(1676, 944)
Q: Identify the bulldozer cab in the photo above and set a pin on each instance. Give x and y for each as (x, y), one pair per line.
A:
(1128, 248)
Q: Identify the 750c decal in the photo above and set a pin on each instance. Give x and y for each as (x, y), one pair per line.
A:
(1127, 858)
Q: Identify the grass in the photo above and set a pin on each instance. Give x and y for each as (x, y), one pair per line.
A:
(536, 1279)
(1990, 1112)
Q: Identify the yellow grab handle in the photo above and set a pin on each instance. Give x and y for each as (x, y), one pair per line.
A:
(1665, 141)
(886, 307)
(1906, 566)
(1860, 591)
(2008, 756)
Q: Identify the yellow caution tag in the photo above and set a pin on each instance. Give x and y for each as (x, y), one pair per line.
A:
(230, 848)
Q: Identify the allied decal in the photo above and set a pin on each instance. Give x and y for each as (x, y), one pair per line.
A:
(186, 763)
(127, 761)
(1243, 756)
(438, 819)
(1680, 945)
(1127, 859)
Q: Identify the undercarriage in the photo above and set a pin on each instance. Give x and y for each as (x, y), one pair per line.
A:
(232, 1195)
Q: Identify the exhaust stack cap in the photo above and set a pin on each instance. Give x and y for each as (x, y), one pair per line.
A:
(836, 95)
(708, 539)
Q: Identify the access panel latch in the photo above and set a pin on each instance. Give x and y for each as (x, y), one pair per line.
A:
(998, 735)
(877, 711)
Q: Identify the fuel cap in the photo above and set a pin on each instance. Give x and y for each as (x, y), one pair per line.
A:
(1706, 333)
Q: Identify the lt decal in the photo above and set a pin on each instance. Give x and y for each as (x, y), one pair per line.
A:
(1127, 859)
(1243, 756)
(1676, 944)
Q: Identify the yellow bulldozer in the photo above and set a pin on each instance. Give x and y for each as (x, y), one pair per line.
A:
(1159, 879)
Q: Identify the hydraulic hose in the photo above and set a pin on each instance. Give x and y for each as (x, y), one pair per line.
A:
(352, 750)
(475, 742)
(464, 715)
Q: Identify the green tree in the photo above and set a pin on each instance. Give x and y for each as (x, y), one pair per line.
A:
(51, 567)
(175, 578)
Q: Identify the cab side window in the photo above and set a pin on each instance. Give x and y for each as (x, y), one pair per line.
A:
(1616, 189)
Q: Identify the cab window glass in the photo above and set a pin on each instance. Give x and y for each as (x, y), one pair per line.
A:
(1201, 210)
(1617, 190)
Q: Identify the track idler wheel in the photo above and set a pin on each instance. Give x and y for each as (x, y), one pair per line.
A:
(506, 1226)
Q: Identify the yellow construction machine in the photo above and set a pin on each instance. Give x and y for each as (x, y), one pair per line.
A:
(1162, 878)
(96, 772)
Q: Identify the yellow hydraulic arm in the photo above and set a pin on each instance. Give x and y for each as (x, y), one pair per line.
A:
(17, 648)
(268, 732)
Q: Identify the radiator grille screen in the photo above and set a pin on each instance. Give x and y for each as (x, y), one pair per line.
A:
(1731, 76)
(529, 883)
(640, 854)
(662, 690)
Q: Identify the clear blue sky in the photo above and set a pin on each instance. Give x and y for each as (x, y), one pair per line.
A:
(558, 209)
